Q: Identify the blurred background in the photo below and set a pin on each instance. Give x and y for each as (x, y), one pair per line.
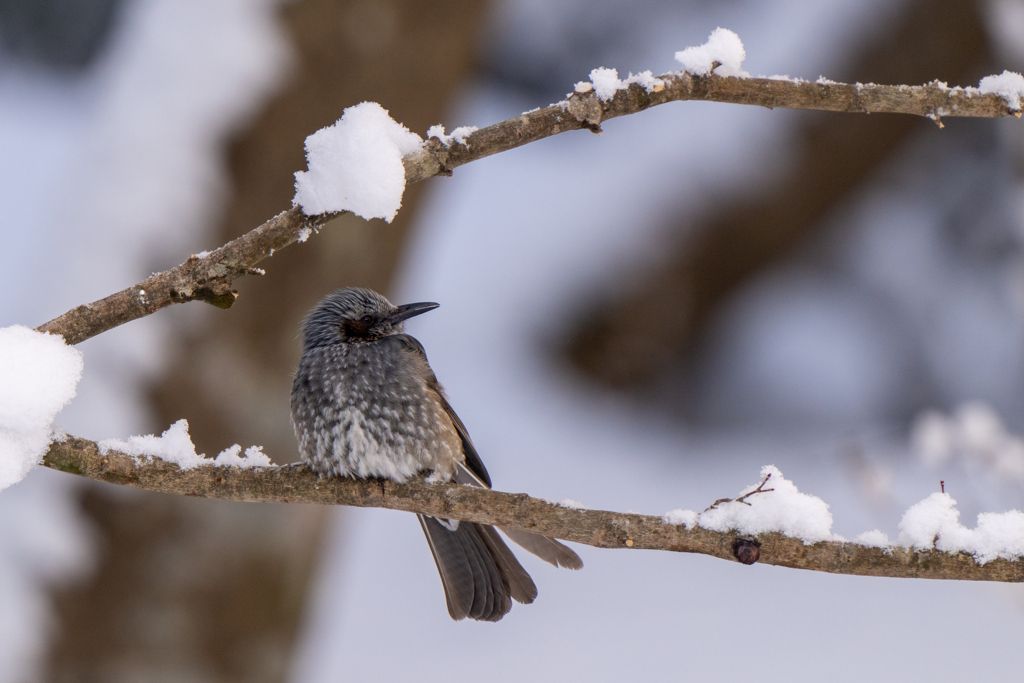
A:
(637, 321)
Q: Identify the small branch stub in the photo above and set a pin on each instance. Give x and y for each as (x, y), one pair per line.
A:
(746, 550)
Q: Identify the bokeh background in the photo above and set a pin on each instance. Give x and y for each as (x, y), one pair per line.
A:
(637, 321)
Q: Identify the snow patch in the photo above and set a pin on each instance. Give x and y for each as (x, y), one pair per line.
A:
(934, 523)
(646, 80)
(355, 165)
(783, 509)
(566, 503)
(254, 457)
(930, 524)
(175, 446)
(458, 135)
(1009, 85)
(39, 374)
(677, 517)
(724, 47)
(873, 539)
(605, 82)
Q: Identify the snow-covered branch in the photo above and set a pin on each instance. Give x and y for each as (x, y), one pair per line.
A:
(598, 103)
(209, 276)
(362, 164)
(598, 528)
(202, 277)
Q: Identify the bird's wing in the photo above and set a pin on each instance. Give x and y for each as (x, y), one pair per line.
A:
(473, 461)
(473, 473)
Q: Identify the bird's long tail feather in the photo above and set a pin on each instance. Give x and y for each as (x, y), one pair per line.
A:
(480, 574)
(547, 549)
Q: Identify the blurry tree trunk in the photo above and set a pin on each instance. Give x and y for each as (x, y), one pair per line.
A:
(630, 341)
(206, 591)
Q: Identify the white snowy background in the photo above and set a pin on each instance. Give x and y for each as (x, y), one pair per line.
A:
(110, 175)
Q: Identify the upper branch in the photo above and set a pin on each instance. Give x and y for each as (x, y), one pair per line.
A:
(598, 528)
(209, 278)
(586, 110)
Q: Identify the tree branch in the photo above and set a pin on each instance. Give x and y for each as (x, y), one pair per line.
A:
(209, 278)
(598, 528)
(586, 110)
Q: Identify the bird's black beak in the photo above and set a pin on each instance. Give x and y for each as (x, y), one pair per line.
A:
(409, 310)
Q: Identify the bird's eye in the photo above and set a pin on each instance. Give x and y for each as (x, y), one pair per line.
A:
(366, 319)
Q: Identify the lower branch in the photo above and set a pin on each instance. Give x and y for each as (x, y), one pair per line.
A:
(598, 528)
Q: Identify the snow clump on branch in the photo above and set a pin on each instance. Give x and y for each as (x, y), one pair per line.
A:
(458, 135)
(175, 446)
(932, 524)
(781, 508)
(723, 47)
(605, 83)
(355, 165)
(39, 374)
(1009, 85)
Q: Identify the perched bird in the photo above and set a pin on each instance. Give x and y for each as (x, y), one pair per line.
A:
(365, 403)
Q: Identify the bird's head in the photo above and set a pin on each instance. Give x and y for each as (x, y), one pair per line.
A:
(354, 314)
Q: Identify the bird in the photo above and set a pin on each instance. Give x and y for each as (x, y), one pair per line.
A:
(365, 403)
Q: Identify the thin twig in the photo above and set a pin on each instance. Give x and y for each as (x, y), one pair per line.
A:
(200, 278)
(742, 499)
(209, 278)
(598, 528)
